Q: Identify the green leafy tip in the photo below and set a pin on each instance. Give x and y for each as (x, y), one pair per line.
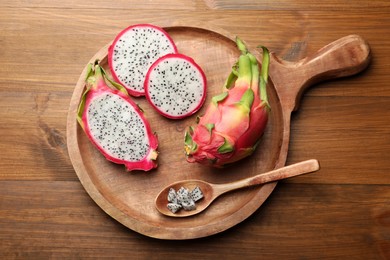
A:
(210, 127)
(230, 80)
(219, 98)
(226, 147)
(241, 46)
(90, 71)
(264, 76)
(246, 100)
(188, 139)
(245, 69)
(190, 146)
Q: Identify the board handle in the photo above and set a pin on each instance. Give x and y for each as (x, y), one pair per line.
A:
(343, 57)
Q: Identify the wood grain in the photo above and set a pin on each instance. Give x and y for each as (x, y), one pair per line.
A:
(342, 212)
(50, 220)
(294, 5)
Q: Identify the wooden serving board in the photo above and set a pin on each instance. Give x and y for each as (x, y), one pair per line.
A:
(129, 197)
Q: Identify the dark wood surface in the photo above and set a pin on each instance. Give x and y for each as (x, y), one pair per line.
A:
(341, 212)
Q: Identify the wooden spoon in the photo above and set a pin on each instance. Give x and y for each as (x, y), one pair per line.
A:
(213, 191)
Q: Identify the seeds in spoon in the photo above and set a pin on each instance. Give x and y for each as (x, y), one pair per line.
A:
(183, 199)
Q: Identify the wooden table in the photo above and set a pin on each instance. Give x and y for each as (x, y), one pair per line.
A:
(341, 212)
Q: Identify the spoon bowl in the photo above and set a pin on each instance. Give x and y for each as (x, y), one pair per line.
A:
(208, 190)
(212, 191)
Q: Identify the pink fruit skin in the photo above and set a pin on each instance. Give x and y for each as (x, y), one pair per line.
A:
(111, 52)
(243, 137)
(234, 122)
(190, 60)
(99, 87)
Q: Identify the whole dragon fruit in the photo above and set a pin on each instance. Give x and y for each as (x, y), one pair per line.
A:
(235, 120)
(115, 124)
(133, 51)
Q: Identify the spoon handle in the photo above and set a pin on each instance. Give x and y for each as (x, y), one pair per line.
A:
(278, 174)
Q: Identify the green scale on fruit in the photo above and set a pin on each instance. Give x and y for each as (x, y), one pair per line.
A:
(235, 120)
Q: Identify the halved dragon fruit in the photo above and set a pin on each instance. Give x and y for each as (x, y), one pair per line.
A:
(175, 86)
(115, 124)
(132, 53)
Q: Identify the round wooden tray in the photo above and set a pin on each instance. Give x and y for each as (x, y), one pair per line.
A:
(129, 197)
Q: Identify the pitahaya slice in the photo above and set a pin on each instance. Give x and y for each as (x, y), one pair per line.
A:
(174, 207)
(188, 204)
(115, 124)
(132, 53)
(196, 194)
(172, 196)
(175, 86)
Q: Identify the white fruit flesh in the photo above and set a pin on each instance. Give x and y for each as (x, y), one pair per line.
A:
(135, 51)
(176, 87)
(117, 128)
